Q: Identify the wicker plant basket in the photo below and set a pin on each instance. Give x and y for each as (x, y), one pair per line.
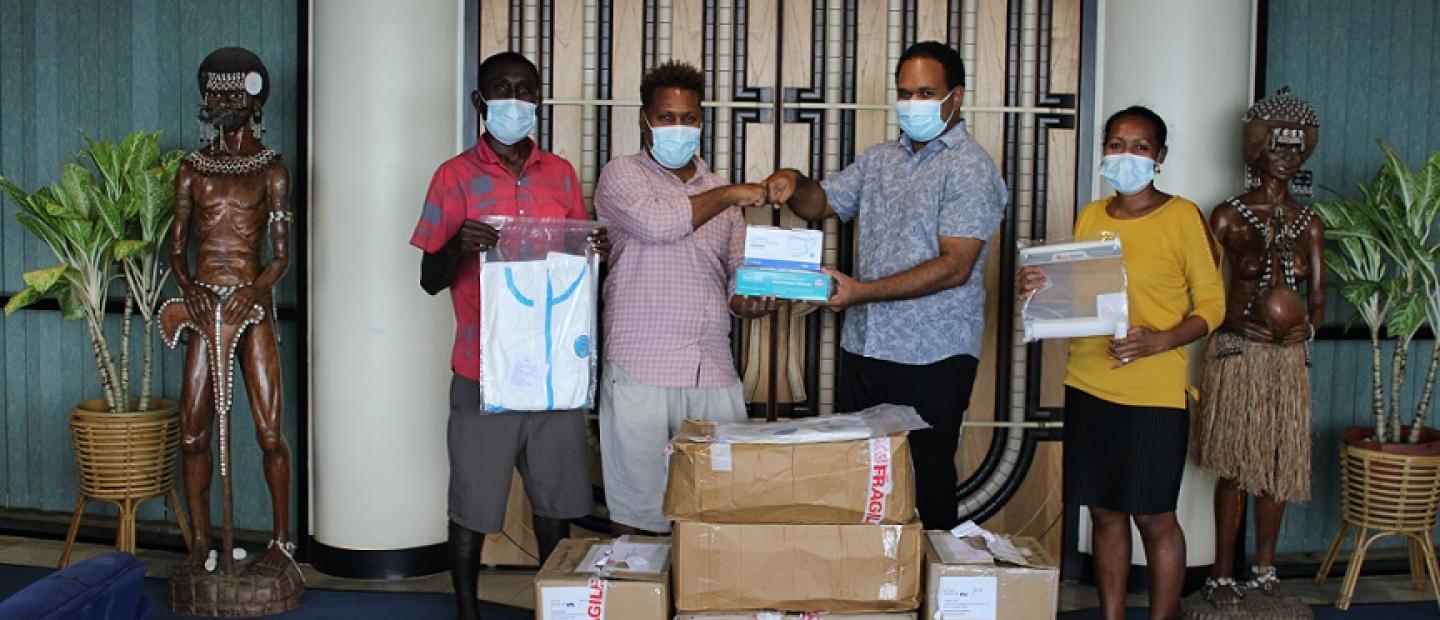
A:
(1382, 494)
(125, 459)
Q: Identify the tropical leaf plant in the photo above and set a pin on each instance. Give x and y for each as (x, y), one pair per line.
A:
(102, 229)
(1385, 252)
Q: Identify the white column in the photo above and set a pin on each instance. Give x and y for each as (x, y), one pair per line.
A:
(1192, 63)
(385, 110)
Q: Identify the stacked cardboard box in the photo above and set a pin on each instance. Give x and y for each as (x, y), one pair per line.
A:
(1003, 579)
(588, 580)
(795, 527)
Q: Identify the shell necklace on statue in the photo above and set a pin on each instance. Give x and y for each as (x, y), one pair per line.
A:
(230, 165)
(1280, 237)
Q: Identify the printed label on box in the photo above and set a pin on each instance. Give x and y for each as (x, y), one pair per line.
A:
(564, 602)
(720, 457)
(968, 598)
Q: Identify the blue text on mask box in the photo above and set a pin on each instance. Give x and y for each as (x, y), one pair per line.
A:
(784, 248)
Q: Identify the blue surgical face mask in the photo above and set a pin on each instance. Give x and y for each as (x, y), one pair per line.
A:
(673, 145)
(920, 118)
(509, 120)
(1128, 173)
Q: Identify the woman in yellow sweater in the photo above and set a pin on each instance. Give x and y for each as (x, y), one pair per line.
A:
(1126, 423)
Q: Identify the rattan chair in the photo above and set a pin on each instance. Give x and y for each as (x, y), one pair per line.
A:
(1386, 495)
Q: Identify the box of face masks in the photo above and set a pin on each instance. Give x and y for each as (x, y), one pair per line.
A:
(782, 284)
(783, 263)
(784, 248)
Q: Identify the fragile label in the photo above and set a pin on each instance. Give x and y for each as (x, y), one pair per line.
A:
(720, 457)
(878, 492)
(563, 602)
(967, 598)
(595, 598)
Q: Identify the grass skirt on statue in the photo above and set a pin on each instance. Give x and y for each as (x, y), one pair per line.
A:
(1254, 422)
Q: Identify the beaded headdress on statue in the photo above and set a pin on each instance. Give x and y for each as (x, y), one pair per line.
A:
(1283, 107)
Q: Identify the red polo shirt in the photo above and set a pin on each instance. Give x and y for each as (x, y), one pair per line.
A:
(475, 184)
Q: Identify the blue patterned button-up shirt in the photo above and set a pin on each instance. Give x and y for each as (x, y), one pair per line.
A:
(905, 202)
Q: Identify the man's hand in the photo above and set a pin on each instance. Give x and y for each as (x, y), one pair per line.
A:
(752, 307)
(747, 195)
(476, 236)
(200, 302)
(848, 291)
(600, 242)
(780, 186)
(238, 304)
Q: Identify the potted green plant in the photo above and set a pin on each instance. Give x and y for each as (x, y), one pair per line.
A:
(1385, 253)
(1386, 257)
(107, 226)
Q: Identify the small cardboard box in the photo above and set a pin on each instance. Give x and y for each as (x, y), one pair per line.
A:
(795, 616)
(963, 585)
(782, 284)
(838, 568)
(865, 481)
(784, 248)
(802, 615)
(571, 587)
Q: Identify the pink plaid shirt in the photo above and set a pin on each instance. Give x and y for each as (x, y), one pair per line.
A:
(475, 184)
(667, 312)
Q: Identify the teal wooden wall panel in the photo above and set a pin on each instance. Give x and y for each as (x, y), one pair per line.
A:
(1369, 69)
(106, 67)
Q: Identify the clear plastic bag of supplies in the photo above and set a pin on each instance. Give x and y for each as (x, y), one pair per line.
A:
(539, 291)
(877, 421)
(1084, 292)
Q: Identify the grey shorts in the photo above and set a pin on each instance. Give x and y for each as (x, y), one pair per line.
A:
(549, 448)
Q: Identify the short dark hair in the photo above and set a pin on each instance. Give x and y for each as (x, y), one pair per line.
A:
(938, 52)
(235, 60)
(1143, 113)
(501, 58)
(671, 74)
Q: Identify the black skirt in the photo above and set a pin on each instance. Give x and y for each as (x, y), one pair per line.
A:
(1123, 458)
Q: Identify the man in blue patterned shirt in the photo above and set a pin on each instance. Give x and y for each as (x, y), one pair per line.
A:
(914, 310)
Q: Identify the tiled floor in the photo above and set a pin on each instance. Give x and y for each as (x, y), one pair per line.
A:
(514, 587)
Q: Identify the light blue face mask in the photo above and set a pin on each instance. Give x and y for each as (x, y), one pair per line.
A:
(920, 118)
(1128, 173)
(509, 120)
(673, 145)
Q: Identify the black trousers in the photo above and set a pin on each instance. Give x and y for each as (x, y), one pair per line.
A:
(940, 393)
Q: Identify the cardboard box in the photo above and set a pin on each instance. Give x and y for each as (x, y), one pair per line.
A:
(569, 587)
(865, 481)
(988, 591)
(784, 248)
(784, 615)
(782, 284)
(837, 568)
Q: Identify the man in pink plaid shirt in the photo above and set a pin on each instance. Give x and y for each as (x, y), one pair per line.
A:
(678, 236)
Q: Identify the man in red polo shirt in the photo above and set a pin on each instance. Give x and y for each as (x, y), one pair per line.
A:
(505, 174)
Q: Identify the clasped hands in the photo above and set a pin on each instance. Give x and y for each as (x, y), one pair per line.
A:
(776, 190)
